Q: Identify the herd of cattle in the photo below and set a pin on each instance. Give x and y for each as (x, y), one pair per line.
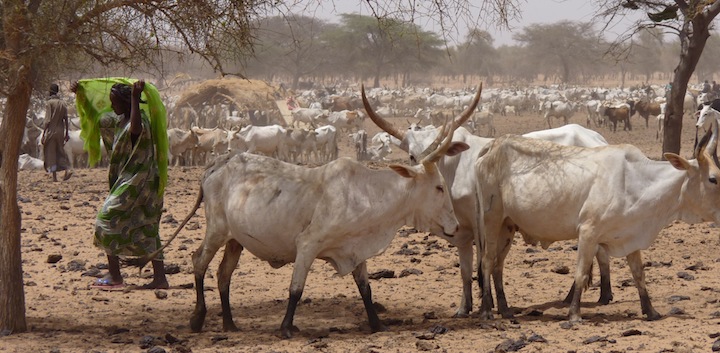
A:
(462, 187)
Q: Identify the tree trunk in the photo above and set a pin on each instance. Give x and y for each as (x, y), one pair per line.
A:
(12, 295)
(691, 48)
(16, 26)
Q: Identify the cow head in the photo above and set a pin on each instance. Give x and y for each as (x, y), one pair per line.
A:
(419, 144)
(708, 113)
(702, 189)
(430, 205)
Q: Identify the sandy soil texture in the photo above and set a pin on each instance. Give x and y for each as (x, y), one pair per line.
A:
(419, 291)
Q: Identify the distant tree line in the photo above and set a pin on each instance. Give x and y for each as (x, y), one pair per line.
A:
(297, 49)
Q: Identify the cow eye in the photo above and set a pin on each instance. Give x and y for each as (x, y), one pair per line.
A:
(412, 159)
(713, 180)
(440, 188)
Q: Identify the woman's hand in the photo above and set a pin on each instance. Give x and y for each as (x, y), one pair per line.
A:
(137, 88)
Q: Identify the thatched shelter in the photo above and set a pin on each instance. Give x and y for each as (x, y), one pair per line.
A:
(240, 93)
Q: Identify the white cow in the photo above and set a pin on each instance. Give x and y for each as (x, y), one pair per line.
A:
(180, 145)
(28, 162)
(484, 118)
(458, 173)
(312, 117)
(268, 140)
(341, 212)
(359, 139)
(345, 120)
(709, 113)
(210, 141)
(299, 144)
(74, 149)
(327, 146)
(610, 197)
(559, 109)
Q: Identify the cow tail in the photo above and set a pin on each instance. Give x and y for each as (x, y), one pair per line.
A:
(142, 261)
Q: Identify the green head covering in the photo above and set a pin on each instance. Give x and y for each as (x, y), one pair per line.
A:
(93, 101)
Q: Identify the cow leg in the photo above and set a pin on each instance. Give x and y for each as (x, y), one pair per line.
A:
(360, 275)
(507, 234)
(303, 261)
(487, 265)
(586, 253)
(465, 254)
(605, 289)
(201, 259)
(603, 260)
(634, 260)
(233, 250)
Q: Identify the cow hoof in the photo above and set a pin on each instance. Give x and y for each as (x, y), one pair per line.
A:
(486, 316)
(230, 327)
(461, 315)
(196, 322)
(653, 316)
(379, 328)
(507, 315)
(287, 332)
(605, 300)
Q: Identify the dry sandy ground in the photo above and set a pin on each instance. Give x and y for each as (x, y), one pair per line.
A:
(64, 315)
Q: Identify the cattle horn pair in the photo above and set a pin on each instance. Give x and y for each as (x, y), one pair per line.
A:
(707, 147)
(390, 129)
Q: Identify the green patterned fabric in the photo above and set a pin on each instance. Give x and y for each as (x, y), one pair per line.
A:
(93, 102)
(128, 223)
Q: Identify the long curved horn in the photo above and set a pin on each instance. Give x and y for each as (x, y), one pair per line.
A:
(378, 120)
(711, 149)
(469, 111)
(706, 149)
(436, 149)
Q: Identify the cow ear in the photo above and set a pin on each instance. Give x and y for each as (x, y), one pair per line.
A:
(456, 147)
(403, 170)
(678, 162)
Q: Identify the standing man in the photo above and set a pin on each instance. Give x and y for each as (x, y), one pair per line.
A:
(55, 135)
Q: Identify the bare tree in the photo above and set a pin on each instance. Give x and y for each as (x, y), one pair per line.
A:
(39, 39)
(690, 20)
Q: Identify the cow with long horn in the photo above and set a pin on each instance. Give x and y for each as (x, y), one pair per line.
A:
(461, 179)
(341, 212)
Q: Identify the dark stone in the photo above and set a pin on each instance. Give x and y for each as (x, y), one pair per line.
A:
(54, 258)
(382, 274)
(510, 345)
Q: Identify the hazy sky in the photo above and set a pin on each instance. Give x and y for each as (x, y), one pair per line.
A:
(533, 11)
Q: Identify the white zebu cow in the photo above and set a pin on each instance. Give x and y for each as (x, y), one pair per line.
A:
(593, 113)
(327, 146)
(28, 162)
(268, 140)
(341, 212)
(559, 109)
(210, 141)
(299, 144)
(74, 149)
(345, 120)
(459, 174)
(708, 114)
(484, 118)
(612, 197)
(180, 145)
(312, 117)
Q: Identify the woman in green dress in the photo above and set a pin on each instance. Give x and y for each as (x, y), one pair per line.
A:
(129, 220)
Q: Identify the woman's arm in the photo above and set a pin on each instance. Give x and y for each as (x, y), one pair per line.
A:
(135, 121)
